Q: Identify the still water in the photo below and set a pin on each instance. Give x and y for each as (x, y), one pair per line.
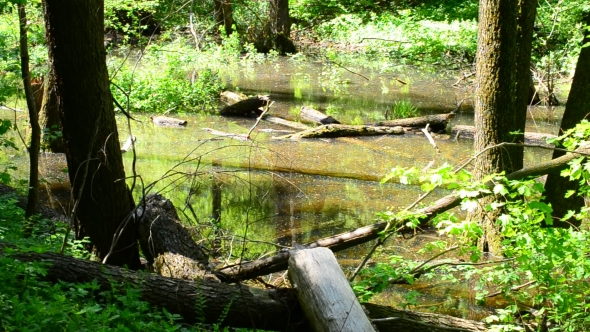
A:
(286, 192)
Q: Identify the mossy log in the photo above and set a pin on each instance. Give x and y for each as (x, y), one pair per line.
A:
(166, 243)
(339, 130)
(278, 262)
(438, 122)
(228, 305)
(461, 131)
(309, 114)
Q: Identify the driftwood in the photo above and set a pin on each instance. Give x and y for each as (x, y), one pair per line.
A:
(530, 138)
(286, 123)
(314, 116)
(247, 107)
(128, 143)
(166, 243)
(324, 293)
(438, 122)
(239, 137)
(346, 240)
(338, 130)
(230, 97)
(247, 307)
(164, 121)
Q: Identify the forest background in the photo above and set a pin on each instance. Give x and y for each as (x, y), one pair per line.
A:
(203, 37)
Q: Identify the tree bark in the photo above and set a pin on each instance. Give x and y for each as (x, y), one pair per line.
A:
(33, 118)
(495, 112)
(74, 32)
(278, 262)
(576, 109)
(51, 138)
(247, 307)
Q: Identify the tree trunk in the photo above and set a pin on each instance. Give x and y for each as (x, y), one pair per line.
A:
(324, 293)
(576, 109)
(34, 121)
(104, 204)
(233, 305)
(495, 112)
(51, 138)
(224, 15)
(281, 26)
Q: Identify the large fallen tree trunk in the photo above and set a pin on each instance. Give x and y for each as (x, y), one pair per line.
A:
(338, 130)
(167, 245)
(437, 122)
(247, 307)
(530, 138)
(365, 234)
(286, 123)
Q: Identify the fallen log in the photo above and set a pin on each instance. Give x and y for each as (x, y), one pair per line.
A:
(461, 131)
(164, 121)
(338, 130)
(286, 123)
(235, 305)
(166, 243)
(324, 293)
(239, 137)
(248, 107)
(128, 143)
(230, 97)
(437, 122)
(314, 116)
(278, 262)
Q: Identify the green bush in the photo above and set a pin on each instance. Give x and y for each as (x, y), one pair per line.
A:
(166, 81)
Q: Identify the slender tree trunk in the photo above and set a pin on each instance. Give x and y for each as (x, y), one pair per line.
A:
(51, 139)
(224, 15)
(526, 23)
(495, 112)
(576, 109)
(104, 203)
(33, 117)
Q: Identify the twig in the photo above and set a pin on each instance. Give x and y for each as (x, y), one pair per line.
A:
(388, 40)
(348, 70)
(430, 139)
(465, 76)
(513, 289)
(259, 118)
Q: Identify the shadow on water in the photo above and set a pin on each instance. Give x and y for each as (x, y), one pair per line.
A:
(286, 192)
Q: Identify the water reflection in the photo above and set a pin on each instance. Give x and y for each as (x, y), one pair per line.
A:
(294, 192)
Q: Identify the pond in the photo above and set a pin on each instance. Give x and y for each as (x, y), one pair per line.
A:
(286, 192)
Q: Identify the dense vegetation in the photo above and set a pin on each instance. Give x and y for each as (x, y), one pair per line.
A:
(166, 57)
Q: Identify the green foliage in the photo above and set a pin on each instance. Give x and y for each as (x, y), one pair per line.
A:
(544, 272)
(404, 109)
(166, 81)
